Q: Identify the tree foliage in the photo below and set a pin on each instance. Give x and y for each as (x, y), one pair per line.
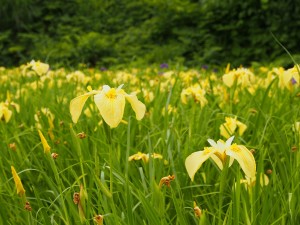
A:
(101, 32)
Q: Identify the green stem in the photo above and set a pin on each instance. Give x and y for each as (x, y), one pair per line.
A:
(222, 188)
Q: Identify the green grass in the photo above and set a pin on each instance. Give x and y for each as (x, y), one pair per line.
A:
(128, 192)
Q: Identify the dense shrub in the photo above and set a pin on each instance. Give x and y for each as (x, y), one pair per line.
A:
(99, 32)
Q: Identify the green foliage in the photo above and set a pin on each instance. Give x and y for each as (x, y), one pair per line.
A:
(100, 32)
(127, 192)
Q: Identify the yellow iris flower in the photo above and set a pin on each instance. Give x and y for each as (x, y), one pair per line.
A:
(229, 127)
(218, 152)
(111, 104)
(5, 113)
(39, 67)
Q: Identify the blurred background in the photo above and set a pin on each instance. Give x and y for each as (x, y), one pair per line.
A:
(117, 32)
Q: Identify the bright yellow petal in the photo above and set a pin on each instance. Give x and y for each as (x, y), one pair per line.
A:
(138, 107)
(18, 183)
(111, 106)
(77, 104)
(194, 161)
(245, 159)
(46, 147)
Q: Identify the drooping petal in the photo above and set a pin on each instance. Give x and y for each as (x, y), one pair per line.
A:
(111, 104)
(244, 157)
(194, 161)
(18, 183)
(77, 104)
(138, 107)
(242, 127)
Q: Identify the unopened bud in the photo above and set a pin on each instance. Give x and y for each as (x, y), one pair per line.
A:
(269, 171)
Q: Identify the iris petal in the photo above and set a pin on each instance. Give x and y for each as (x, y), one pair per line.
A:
(77, 104)
(111, 108)
(138, 107)
(194, 161)
(244, 157)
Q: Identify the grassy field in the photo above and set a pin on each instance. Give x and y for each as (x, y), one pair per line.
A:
(110, 168)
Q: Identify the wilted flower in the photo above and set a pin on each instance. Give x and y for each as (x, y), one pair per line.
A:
(54, 155)
(18, 183)
(99, 219)
(197, 210)
(27, 206)
(219, 152)
(228, 128)
(12, 146)
(111, 104)
(166, 180)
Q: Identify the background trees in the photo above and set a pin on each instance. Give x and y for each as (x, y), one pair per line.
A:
(103, 33)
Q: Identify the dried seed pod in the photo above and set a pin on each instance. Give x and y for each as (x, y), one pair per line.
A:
(27, 206)
(54, 155)
(76, 198)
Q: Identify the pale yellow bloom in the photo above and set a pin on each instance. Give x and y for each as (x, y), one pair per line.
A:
(111, 104)
(18, 183)
(5, 113)
(139, 156)
(78, 76)
(39, 67)
(144, 157)
(242, 76)
(170, 110)
(229, 127)
(196, 92)
(250, 182)
(45, 144)
(219, 152)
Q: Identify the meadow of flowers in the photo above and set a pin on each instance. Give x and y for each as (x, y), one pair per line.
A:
(149, 145)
